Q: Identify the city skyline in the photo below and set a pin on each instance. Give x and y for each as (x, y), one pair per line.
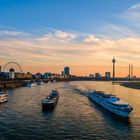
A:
(48, 35)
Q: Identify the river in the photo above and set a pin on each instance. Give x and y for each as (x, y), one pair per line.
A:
(75, 116)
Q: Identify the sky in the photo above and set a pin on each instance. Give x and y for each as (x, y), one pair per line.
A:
(46, 35)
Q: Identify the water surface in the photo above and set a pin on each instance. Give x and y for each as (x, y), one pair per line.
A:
(75, 116)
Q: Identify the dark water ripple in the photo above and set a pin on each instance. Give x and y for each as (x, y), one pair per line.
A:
(75, 116)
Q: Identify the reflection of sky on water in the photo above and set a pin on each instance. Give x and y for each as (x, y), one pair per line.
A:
(75, 116)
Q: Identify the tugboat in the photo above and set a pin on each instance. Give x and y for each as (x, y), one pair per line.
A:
(3, 96)
(50, 101)
(111, 103)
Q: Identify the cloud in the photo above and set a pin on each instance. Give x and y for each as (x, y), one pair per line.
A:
(91, 39)
(116, 31)
(50, 51)
(11, 33)
(131, 17)
(134, 8)
(54, 47)
(64, 35)
(132, 14)
(127, 26)
(58, 35)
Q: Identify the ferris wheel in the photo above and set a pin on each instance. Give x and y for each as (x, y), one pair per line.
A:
(12, 67)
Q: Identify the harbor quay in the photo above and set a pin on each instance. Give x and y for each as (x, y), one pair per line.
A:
(15, 83)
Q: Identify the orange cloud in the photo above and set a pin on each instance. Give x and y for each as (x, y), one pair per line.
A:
(88, 55)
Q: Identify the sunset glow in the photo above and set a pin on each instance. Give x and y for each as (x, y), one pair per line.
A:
(44, 49)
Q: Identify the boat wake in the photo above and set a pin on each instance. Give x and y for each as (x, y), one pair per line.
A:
(81, 92)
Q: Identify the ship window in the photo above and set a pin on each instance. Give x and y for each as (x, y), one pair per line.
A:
(123, 105)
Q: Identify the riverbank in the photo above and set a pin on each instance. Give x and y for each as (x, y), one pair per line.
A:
(134, 85)
(15, 83)
(11, 84)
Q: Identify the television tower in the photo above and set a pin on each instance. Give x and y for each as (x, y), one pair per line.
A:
(113, 61)
(131, 72)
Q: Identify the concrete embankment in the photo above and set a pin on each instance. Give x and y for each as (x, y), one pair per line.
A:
(135, 85)
(10, 84)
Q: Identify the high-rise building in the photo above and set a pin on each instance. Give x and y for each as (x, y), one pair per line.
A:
(66, 71)
(47, 75)
(91, 75)
(97, 76)
(62, 73)
(107, 75)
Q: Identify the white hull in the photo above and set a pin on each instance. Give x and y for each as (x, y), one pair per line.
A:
(3, 98)
(104, 104)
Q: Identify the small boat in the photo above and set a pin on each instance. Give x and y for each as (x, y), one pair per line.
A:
(111, 103)
(40, 83)
(3, 96)
(31, 84)
(50, 101)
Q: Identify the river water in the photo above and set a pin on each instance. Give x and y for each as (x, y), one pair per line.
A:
(75, 116)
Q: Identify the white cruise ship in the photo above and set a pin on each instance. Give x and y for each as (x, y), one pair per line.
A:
(111, 103)
(3, 96)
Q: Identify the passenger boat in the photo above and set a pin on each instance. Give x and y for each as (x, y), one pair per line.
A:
(111, 103)
(40, 83)
(50, 101)
(31, 84)
(3, 96)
